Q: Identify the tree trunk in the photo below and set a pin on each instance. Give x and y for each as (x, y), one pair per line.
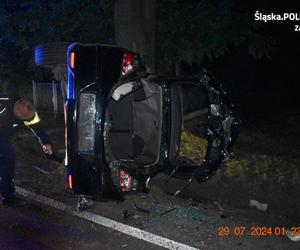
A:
(135, 28)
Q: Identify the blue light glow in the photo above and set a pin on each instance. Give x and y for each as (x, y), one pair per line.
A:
(71, 92)
(38, 58)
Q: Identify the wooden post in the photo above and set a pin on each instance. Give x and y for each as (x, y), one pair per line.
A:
(54, 99)
(34, 93)
(63, 90)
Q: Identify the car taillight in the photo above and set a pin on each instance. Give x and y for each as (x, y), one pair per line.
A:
(125, 181)
(127, 63)
(69, 178)
(70, 181)
(86, 123)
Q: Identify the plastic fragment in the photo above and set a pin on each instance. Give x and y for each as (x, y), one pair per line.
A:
(83, 203)
(294, 236)
(141, 209)
(258, 205)
(168, 211)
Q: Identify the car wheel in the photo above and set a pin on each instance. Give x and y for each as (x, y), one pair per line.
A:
(51, 54)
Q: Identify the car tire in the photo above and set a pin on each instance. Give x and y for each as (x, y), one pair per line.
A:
(51, 54)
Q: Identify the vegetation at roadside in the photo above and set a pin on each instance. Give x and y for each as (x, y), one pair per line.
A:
(264, 168)
(192, 146)
(187, 31)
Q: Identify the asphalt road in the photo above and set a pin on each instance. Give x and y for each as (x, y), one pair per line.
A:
(34, 226)
(192, 221)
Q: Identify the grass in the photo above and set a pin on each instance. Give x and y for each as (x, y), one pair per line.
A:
(193, 146)
(265, 168)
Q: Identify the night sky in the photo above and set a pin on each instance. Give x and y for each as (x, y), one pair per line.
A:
(268, 85)
(260, 85)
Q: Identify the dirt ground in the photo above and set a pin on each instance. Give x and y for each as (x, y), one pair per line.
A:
(198, 216)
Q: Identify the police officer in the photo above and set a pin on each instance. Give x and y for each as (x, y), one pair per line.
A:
(13, 112)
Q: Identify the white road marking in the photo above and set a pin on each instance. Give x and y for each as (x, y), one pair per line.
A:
(123, 228)
(2, 110)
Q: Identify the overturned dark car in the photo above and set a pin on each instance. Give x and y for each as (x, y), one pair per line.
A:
(124, 125)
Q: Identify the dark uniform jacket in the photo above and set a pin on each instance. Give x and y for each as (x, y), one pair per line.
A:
(8, 121)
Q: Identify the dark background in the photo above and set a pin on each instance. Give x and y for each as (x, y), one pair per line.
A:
(258, 61)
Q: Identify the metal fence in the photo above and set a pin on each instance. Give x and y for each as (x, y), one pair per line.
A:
(49, 97)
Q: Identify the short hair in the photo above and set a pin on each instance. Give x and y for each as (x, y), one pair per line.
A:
(24, 109)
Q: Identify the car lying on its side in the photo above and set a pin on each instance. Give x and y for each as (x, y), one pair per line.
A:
(124, 125)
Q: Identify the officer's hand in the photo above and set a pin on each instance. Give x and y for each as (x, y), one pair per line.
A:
(47, 149)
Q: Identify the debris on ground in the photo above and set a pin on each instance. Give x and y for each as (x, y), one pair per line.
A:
(83, 203)
(125, 214)
(141, 209)
(168, 211)
(223, 216)
(292, 235)
(46, 172)
(189, 182)
(258, 205)
(200, 244)
(195, 202)
(217, 204)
